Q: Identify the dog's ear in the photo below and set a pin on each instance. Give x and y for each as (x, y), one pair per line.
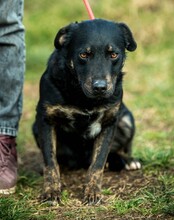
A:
(130, 43)
(63, 36)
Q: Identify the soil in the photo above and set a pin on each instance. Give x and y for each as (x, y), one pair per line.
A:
(122, 185)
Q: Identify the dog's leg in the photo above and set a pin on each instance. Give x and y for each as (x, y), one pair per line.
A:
(126, 125)
(92, 194)
(47, 143)
(120, 156)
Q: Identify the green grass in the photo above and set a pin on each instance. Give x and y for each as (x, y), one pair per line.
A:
(148, 87)
(23, 207)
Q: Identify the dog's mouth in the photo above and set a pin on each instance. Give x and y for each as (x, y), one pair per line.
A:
(99, 93)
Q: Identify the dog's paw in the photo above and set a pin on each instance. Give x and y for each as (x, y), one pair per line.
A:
(133, 165)
(52, 187)
(92, 195)
(51, 194)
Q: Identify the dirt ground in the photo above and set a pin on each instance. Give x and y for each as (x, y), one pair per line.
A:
(117, 186)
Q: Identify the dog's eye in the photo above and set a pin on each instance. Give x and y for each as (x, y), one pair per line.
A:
(83, 55)
(114, 55)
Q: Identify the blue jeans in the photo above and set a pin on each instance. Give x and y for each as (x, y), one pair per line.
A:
(12, 65)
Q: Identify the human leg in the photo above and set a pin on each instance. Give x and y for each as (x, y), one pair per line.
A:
(12, 67)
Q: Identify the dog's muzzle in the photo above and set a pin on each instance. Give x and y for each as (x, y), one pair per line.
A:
(98, 89)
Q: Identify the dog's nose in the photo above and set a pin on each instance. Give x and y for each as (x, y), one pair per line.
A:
(99, 86)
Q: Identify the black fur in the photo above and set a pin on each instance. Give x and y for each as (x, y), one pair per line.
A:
(81, 102)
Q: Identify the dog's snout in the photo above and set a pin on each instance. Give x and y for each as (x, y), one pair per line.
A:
(99, 86)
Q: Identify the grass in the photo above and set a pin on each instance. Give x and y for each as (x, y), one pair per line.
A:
(148, 84)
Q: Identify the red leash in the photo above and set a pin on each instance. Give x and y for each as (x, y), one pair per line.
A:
(89, 10)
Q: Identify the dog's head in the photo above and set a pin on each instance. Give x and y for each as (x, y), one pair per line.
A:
(96, 53)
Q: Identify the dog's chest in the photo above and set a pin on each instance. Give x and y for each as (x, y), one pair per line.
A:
(86, 123)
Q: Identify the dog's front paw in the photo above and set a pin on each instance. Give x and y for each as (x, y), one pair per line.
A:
(133, 165)
(92, 194)
(51, 193)
(52, 187)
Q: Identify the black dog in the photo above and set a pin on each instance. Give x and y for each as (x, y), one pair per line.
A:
(81, 120)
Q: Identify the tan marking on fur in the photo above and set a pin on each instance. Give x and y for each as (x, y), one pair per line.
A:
(111, 112)
(110, 48)
(97, 147)
(53, 110)
(88, 50)
(94, 177)
(108, 78)
(52, 185)
(68, 111)
(109, 82)
(92, 193)
(54, 151)
(88, 84)
(72, 64)
(62, 39)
